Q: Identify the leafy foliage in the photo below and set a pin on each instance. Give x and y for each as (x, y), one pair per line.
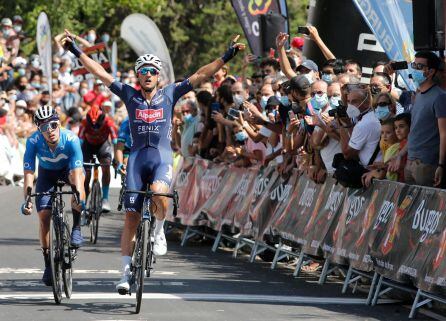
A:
(196, 32)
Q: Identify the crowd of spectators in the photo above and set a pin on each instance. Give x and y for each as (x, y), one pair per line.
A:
(289, 112)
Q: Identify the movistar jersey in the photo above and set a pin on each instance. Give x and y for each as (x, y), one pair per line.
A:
(68, 153)
(151, 123)
(124, 134)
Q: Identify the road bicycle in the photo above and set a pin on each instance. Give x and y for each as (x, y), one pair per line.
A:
(143, 257)
(95, 202)
(62, 254)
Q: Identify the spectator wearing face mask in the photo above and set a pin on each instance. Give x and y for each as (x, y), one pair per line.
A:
(382, 83)
(248, 152)
(309, 69)
(384, 106)
(12, 40)
(240, 93)
(185, 129)
(330, 69)
(360, 131)
(96, 96)
(427, 137)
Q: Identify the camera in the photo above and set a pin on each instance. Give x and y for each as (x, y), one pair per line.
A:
(399, 65)
(303, 30)
(339, 112)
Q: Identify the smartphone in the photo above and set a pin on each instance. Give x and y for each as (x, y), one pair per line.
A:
(399, 65)
(291, 115)
(303, 30)
(234, 112)
(309, 120)
(215, 107)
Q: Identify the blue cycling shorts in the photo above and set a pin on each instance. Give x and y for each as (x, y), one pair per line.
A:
(146, 166)
(46, 182)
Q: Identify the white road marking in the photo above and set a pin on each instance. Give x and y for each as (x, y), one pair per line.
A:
(39, 271)
(196, 297)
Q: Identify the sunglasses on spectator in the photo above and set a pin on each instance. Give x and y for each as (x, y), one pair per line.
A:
(418, 66)
(53, 125)
(153, 71)
(383, 104)
(319, 93)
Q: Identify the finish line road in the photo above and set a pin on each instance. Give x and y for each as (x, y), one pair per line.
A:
(191, 283)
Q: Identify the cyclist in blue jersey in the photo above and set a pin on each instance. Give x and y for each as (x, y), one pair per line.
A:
(150, 117)
(122, 148)
(60, 158)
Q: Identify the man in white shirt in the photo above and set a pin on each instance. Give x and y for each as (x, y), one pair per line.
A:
(361, 140)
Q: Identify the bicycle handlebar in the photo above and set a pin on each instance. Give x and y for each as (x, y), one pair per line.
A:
(173, 196)
(73, 192)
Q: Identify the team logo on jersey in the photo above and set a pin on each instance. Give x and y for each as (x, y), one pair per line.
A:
(149, 115)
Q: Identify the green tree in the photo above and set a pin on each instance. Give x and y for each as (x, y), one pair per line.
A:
(196, 32)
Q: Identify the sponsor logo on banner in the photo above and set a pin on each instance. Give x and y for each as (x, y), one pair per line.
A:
(260, 185)
(281, 192)
(243, 185)
(209, 183)
(426, 221)
(334, 200)
(256, 7)
(149, 115)
(306, 200)
(384, 214)
(99, 54)
(354, 208)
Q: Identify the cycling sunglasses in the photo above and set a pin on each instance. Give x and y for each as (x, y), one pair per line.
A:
(53, 125)
(153, 71)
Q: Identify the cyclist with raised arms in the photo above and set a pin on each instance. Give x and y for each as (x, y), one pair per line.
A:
(150, 115)
(60, 158)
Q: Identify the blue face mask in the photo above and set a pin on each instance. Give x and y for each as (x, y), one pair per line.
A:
(188, 118)
(418, 77)
(105, 37)
(319, 102)
(22, 71)
(381, 112)
(263, 102)
(284, 100)
(56, 66)
(328, 78)
(241, 136)
(334, 102)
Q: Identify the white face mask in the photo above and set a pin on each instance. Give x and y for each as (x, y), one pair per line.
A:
(238, 100)
(353, 112)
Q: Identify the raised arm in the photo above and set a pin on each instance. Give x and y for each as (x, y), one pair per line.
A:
(92, 66)
(283, 59)
(209, 70)
(314, 35)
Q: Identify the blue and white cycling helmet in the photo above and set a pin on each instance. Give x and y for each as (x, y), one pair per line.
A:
(45, 113)
(148, 59)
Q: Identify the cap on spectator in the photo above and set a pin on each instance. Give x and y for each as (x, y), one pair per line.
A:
(6, 22)
(300, 83)
(21, 104)
(297, 42)
(309, 64)
(98, 82)
(17, 19)
(107, 103)
(272, 102)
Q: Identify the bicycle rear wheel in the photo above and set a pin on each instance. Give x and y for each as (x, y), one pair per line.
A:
(55, 259)
(67, 268)
(140, 261)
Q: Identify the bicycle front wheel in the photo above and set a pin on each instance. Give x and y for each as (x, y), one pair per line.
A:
(96, 198)
(67, 269)
(140, 262)
(56, 252)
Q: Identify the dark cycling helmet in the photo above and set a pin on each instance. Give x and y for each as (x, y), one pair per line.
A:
(148, 59)
(95, 116)
(45, 113)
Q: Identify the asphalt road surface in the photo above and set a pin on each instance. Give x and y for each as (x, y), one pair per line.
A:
(189, 284)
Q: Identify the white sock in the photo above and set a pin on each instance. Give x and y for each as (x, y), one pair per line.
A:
(126, 260)
(159, 227)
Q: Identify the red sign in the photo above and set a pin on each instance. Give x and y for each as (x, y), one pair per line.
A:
(149, 115)
(98, 53)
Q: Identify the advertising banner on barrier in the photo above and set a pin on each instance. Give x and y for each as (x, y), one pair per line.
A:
(390, 249)
(262, 207)
(428, 225)
(331, 198)
(354, 223)
(242, 220)
(233, 196)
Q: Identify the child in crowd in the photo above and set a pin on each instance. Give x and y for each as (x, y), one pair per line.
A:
(402, 128)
